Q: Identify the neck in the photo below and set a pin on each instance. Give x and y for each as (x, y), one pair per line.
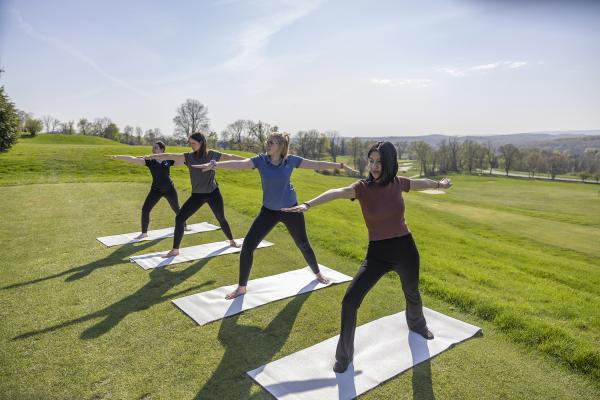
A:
(275, 159)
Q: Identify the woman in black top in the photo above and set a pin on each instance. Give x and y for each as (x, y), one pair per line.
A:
(162, 185)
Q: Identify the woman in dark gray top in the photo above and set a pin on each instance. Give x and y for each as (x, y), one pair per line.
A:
(204, 187)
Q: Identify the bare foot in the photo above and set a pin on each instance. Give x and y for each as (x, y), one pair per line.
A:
(232, 243)
(141, 236)
(172, 253)
(240, 290)
(322, 279)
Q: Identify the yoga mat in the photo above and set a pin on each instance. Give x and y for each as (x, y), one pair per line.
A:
(156, 260)
(432, 191)
(154, 235)
(383, 349)
(211, 305)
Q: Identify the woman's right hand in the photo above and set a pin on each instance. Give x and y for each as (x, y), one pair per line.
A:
(209, 166)
(297, 209)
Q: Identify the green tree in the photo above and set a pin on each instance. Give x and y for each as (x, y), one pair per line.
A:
(112, 132)
(33, 126)
(9, 122)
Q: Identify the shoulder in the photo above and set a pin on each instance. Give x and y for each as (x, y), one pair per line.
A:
(294, 160)
(403, 182)
(360, 187)
(259, 160)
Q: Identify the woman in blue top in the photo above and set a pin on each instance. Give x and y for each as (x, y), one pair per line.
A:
(275, 168)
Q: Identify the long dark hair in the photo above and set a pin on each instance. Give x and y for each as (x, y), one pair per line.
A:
(200, 138)
(389, 162)
(161, 145)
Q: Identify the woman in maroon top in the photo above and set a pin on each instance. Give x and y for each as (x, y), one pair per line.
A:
(391, 246)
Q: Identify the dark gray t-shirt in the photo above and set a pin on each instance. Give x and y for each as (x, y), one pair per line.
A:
(202, 182)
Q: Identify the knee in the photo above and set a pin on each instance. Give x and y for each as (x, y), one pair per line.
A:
(247, 250)
(303, 245)
(350, 303)
(180, 219)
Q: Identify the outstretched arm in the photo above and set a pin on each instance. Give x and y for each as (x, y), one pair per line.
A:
(332, 194)
(422, 184)
(231, 157)
(179, 158)
(246, 163)
(313, 164)
(133, 159)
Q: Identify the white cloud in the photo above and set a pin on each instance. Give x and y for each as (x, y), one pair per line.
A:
(257, 34)
(517, 64)
(464, 71)
(72, 52)
(401, 82)
(484, 67)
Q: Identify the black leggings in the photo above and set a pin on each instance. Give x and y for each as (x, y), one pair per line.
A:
(399, 254)
(197, 200)
(153, 197)
(262, 225)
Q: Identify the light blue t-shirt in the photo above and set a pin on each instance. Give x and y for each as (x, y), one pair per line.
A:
(278, 191)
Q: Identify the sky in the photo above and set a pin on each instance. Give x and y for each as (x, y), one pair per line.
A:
(362, 68)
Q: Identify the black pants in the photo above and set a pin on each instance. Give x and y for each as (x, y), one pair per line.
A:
(193, 204)
(153, 197)
(399, 254)
(262, 225)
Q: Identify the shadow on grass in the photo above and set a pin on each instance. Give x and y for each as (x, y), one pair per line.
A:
(422, 386)
(152, 293)
(119, 256)
(247, 347)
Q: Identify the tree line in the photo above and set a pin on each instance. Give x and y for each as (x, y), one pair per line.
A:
(473, 157)
(451, 155)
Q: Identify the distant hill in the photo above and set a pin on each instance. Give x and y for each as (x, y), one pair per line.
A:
(57, 138)
(572, 139)
(576, 145)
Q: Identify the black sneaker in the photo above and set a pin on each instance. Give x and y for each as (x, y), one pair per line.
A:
(425, 332)
(340, 367)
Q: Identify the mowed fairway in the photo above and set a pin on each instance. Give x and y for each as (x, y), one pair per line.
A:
(520, 259)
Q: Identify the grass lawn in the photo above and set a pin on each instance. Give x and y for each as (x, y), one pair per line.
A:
(518, 258)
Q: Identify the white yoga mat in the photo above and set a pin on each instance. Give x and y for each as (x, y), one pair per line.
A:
(211, 305)
(127, 238)
(383, 349)
(432, 191)
(156, 260)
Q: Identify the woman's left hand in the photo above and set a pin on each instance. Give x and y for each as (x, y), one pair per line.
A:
(445, 183)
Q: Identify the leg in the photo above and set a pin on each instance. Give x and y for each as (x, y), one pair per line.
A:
(408, 270)
(295, 224)
(368, 275)
(262, 225)
(173, 200)
(151, 200)
(189, 207)
(215, 202)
